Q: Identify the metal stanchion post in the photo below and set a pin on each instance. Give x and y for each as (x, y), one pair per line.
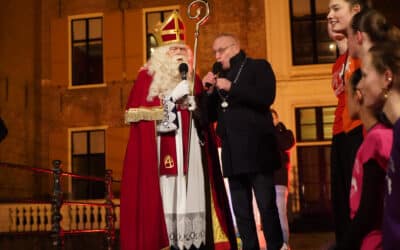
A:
(110, 217)
(57, 234)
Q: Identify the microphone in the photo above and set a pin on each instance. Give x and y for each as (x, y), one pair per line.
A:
(183, 70)
(216, 69)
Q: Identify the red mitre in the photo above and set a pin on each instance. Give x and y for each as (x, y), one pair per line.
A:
(171, 31)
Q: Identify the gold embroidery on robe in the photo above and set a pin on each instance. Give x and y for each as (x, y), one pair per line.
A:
(219, 234)
(143, 113)
(169, 161)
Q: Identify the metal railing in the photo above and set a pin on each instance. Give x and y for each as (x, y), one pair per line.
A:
(85, 212)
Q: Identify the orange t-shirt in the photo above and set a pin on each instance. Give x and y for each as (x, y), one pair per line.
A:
(338, 89)
(351, 66)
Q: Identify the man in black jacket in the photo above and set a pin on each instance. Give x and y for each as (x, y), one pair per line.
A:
(239, 96)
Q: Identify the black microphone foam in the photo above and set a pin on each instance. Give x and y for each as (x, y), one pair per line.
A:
(183, 69)
(216, 69)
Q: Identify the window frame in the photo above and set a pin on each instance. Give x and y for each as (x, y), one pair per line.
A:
(279, 46)
(319, 123)
(83, 85)
(70, 148)
(321, 144)
(314, 18)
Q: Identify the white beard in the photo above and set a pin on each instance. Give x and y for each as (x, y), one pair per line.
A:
(165, 71)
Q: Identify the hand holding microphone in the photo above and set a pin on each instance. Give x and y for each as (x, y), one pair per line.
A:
(210, 79)
(184, 88)
(222, 84)
(216, 70)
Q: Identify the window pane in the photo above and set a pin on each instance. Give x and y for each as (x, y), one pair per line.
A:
(321, 7)
(301, 8)
(308, 124)
(326, 47)
(95, 28)
(152, 19)
(97, 142)
(308, 132)
(167, 13)
(88, 163)
(307, 116)
(328, 116)
(79, 30)
(314, 178)
(79, 64)
(310, 163)
(302, 42)
(79, 164)
(95, 74)
(97, 163)
(79, 143)
(315, 124)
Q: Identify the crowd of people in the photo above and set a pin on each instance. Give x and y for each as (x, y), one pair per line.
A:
(363, 159)
(173, 194)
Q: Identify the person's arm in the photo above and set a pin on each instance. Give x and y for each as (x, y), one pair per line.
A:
(369, 213)
(260, 91)
(3, 130)
(284, 136)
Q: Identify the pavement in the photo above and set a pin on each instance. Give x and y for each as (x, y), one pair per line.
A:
(311, 240)
(304, 240)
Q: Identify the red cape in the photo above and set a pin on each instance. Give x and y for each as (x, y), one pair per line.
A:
(142, 217)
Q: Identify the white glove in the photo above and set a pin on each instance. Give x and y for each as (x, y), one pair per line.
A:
(180, 90)
(191, 102)
(168, 122)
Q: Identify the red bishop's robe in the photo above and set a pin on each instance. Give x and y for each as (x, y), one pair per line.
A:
(142, 222)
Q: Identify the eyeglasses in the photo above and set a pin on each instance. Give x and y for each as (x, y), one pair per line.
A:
(222, 50)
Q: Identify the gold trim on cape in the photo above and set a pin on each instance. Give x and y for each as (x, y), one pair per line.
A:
(143, 113)
(219, 234)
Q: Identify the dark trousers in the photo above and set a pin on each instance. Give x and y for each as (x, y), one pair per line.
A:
(343, 153)
(241, 187)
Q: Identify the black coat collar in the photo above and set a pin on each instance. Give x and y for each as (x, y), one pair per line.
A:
(235, 63)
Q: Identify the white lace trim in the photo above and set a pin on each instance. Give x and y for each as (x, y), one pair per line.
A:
(194, 233)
